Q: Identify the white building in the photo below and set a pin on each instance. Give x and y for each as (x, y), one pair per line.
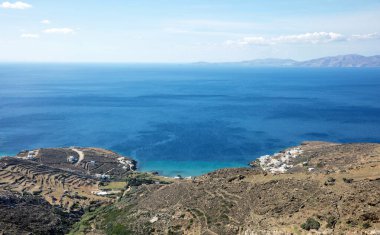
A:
(102, 176)
(72, 159)
(31, 155)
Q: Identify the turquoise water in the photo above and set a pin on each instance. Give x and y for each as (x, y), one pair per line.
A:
(187, 168)
(5, 154)
(186, 120)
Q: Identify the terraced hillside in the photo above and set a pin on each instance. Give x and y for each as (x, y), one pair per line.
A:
(90, 161)
(45, 191)
(69, 190)
(327, 188)
(66, 177)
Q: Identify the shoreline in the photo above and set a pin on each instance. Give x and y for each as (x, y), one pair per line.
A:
(7, 155)
(276, 185)
(274, 162)
(169, 168)
(173, 168)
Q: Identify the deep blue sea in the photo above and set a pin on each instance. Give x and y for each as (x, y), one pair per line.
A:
(185, 119)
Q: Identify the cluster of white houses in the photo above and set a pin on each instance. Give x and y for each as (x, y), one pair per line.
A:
(73, 160)
(127, 164)
(31, 155)
(279, 162)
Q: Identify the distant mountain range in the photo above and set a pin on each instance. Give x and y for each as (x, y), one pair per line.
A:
(331, 61)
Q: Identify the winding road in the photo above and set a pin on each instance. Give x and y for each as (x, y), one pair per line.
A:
(81, 156)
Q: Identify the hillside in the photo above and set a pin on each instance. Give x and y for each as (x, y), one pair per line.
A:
(319, 187)
(45, 191)
(336, 187)
(25, 213)
(50, 174)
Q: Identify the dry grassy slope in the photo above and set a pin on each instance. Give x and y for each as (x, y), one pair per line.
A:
(251, 201)
(66, 189)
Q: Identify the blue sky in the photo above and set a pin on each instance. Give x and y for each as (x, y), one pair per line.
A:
(186, 30)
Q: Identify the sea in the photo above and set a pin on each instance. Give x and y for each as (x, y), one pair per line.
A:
(185, 119)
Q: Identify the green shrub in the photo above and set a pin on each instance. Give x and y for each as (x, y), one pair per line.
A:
(352, 222)
(138, 182)
(331, 222)
(366, 225)
(118, 229)
(311, 224)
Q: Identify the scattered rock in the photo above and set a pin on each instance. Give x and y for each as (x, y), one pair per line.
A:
(330, 181)
(348, 180)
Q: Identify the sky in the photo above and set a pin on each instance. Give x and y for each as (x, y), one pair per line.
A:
(180, 31)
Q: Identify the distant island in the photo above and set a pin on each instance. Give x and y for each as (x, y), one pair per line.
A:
(340, 61)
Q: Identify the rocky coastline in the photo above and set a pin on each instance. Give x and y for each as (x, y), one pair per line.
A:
(316, 187)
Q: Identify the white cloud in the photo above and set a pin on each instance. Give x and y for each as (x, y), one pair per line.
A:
(45, 22)
(306, 38)
(30, 35)
(314, 38)
(59, 31)
(16, 5)
(365, 36)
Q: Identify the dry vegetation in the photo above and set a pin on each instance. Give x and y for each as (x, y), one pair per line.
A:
(59, 189)
(341, 196)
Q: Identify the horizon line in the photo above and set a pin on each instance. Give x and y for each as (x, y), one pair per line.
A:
(173, 63)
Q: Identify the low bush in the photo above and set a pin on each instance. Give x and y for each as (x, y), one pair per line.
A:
(366, 225)
(352, 222)
(331, 222)
(138, 182)
(311, 224)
